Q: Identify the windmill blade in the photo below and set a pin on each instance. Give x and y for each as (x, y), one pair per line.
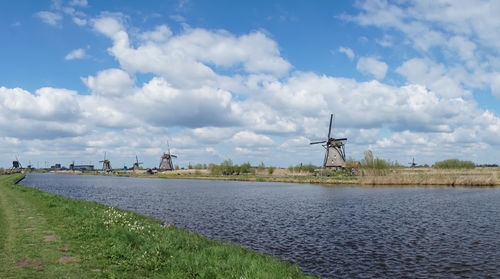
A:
(316, 142)
(174, 156)
(330, 127)
(341, 139)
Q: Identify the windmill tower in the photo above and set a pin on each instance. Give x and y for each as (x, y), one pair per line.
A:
(106, 165)
(136, 164)
(335, 149)
(16, 165)
(166, 161)
(413, 164)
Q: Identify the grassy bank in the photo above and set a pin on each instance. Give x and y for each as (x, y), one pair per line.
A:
(49, 236)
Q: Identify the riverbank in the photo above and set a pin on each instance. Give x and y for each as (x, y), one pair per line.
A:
(477, 177)
(50, 236)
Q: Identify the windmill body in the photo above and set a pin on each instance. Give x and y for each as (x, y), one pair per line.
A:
(335, 150)
(136, 164)
(166, 161)
(16, 164)
(335, 155)
(106, 164)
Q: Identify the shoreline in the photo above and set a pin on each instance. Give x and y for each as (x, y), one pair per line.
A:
(51, 236)
(404, 177)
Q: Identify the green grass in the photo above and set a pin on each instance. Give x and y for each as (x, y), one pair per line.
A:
(111, 243)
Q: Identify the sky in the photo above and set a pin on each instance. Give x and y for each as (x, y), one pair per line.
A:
(251, 81)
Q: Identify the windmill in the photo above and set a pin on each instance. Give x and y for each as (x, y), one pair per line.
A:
(166, 160)
(335, 150)
(16, 164)
(412, 164)
(137, 163)
(106, 165)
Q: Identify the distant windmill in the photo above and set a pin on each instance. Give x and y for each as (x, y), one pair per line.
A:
(137, 163)
(166, 160)
(335, 150)
(412, 164)
(16, 164)
(106, 165)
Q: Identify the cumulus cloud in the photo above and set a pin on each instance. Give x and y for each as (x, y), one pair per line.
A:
(79, 21)
(111, 82)
(214, 93)
(81, 3)
(372, 66)
(436, 76)
(455, 33)
(248, 139)
(49, 17)
(160, 34)
(192, 52)
(347, 51)
(78, 53)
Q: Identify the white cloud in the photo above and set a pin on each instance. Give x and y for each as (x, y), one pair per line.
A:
(347, 51)
(111, 82)
(460, 35)
(213, 92)
(435, 76)
(371, 65)
(78, 53)
(49, 17)
(79, 21)
(192, 53)
(250, 139)
(495, 84)
(159, 35)
(81, 3)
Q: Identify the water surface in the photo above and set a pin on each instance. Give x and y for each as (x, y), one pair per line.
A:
(338, 232)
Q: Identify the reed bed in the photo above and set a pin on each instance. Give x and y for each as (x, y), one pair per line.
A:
(429, 176)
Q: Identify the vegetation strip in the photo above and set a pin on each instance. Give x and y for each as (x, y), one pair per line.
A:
(66, 237)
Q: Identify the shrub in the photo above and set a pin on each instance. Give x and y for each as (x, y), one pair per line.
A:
(454, 164)
(198, 166)
(245, 168)
(270, 170)
(261, 167)
(228, 168)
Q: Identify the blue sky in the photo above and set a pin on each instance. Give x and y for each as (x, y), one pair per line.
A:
(252, 81)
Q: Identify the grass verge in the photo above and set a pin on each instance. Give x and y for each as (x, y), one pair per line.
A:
(49, 236)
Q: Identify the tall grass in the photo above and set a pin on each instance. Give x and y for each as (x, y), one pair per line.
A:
(302, 168)
(454, 164)
(373, 166)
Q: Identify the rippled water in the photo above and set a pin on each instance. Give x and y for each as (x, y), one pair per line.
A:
(338, 232)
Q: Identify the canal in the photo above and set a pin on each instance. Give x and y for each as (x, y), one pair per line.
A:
(338, 232)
